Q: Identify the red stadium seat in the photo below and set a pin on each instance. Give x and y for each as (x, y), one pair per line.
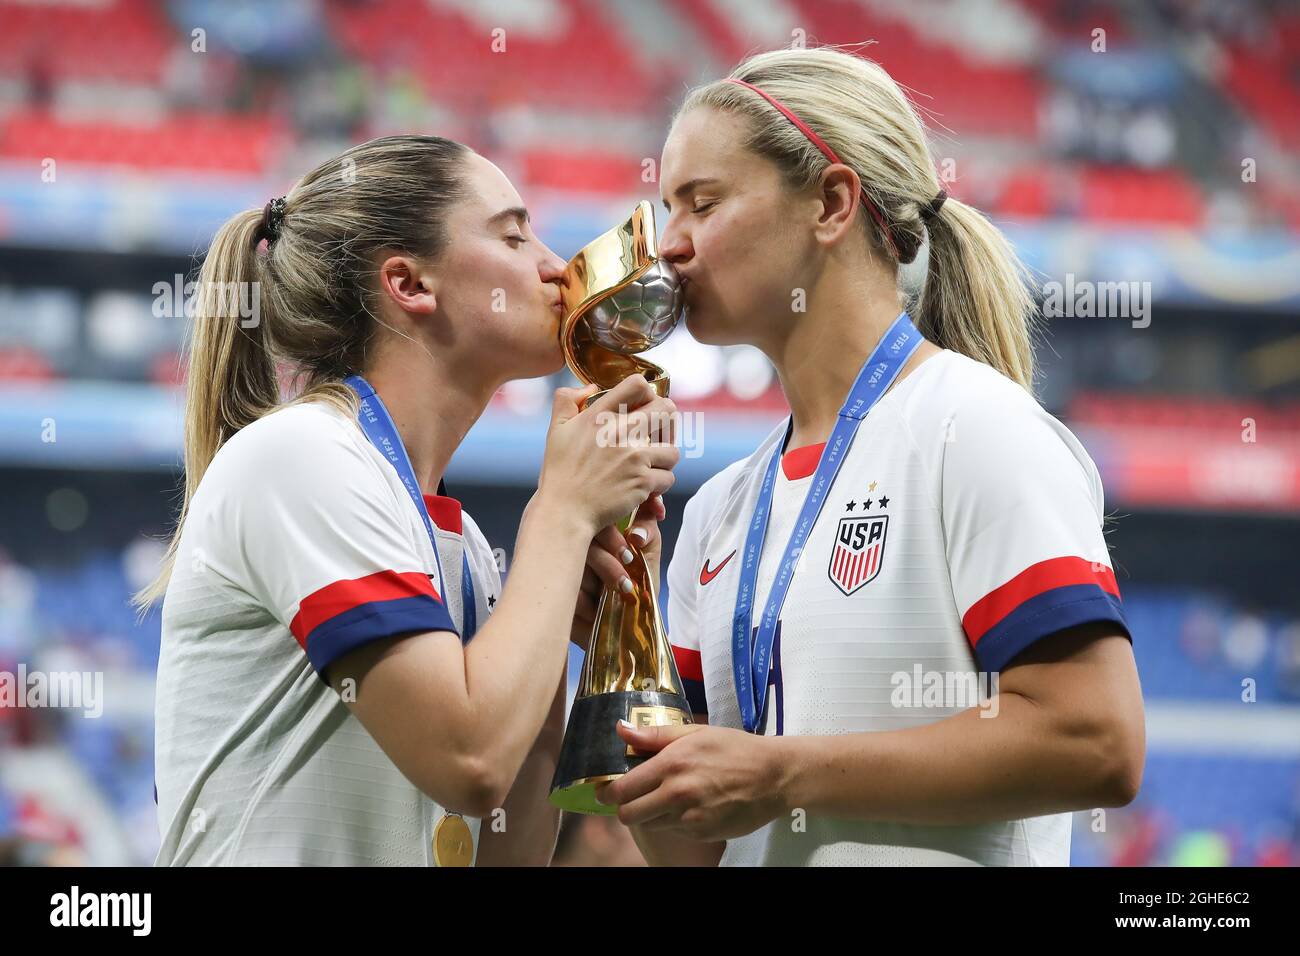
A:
(1264, 83)
(24, 364)
(228, 144)
(121, 40)
(456, 60)
(1114, 194)
(582, 172)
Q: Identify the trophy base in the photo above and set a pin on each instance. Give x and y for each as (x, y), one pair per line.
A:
(593, 753)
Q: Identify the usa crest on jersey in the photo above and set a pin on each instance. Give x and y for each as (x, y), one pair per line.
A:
(859, 551)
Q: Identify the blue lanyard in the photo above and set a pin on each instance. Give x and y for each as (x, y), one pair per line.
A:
(751, 658)
(379, 428)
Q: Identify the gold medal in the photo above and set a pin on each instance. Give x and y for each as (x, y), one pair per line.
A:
(453, 843)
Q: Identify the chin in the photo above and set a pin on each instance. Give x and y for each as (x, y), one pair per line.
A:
(694, 325)
(546, 360)
(554, 363)
(521, 358)
(703, 330)
(542, 352)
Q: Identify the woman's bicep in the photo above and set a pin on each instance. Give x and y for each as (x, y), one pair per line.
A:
(409, 694)
(1083, 682)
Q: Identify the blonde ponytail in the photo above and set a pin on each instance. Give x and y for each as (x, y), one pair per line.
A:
(232, 378)
(976, 299)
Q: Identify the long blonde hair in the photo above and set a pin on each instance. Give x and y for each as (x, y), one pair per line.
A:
(312, 287)
(976, 298)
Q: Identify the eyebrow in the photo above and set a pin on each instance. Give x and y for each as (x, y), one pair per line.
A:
(689, 185)
(514, 212)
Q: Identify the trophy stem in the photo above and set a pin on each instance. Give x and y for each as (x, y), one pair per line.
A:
(628, 647)
(628, 673)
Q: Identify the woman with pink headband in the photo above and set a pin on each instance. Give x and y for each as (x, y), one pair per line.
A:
(897, 619)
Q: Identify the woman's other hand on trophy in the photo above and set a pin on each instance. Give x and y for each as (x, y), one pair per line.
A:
(611, 555)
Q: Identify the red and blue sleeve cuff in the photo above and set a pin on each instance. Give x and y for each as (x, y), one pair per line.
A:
(1045, 598)
(691, 671)
(347, 614)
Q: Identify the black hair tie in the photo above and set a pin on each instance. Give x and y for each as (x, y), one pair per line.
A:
(931, 210)
(272, 217)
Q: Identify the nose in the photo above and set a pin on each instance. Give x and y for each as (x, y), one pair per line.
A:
(675, 244)
(551, 268)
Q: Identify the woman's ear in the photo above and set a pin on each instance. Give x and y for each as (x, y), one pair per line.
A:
(838, 194)
(411, 286)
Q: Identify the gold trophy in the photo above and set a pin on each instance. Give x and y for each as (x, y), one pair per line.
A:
(619, 298)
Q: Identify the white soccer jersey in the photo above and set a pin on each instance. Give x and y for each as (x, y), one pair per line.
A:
(301, 544)
(963, 526)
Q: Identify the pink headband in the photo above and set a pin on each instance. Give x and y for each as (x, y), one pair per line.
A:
(825, 151)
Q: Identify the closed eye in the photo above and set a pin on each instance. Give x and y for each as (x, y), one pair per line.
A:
(705, 208)
(519, 239)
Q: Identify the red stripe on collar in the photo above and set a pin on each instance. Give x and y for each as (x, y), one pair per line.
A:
(801, 462)
(444, 512)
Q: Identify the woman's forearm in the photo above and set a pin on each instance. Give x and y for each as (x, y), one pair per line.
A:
(964, 769)
(665, 848)
(526, 832)
(510, 665)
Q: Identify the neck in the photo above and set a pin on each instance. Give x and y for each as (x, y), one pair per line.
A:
(432, 408)
(819, 359)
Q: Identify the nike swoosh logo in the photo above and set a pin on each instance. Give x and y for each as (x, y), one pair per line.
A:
(706, 575)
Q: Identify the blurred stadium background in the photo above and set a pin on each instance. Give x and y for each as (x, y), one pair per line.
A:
(1156, 143)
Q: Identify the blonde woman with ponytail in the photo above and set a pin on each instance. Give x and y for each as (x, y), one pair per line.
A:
(897, 619)
(342, 678)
